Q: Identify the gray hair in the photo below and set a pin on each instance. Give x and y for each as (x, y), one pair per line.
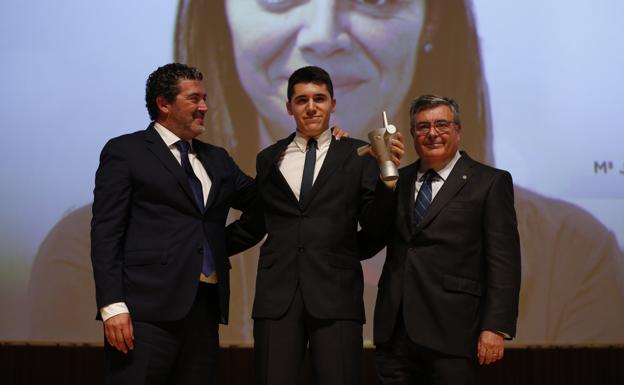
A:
(426, 102)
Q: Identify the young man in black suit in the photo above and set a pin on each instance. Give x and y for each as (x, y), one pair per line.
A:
(161, 269)
(448, 293)
(314, 191)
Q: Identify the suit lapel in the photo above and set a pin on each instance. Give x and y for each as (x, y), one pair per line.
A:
(211, 165)
(156, 145)
(407, 188)
(273, 171)
(455, 181)
(336, 154)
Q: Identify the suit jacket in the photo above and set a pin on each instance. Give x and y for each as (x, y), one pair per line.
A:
(458, 271)
(316, 245)
(147, 232)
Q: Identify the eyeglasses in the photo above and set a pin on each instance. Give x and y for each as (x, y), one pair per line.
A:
(441, 127)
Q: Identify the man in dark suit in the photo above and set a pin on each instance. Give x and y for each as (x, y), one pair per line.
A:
(314, 191)
(157, 238)
(448, 293)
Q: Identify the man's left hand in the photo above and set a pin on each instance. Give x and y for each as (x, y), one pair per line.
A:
(338, 133)
(490, 348)
(397, 149)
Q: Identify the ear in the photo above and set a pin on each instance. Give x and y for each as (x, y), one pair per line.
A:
(333, 105)
(289, 108)
(163, 105)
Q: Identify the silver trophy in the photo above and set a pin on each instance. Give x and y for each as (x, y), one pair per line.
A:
(381, 140)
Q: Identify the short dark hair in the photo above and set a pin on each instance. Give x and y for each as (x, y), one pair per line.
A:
(427, 102)
(309, 74)
(164, 82)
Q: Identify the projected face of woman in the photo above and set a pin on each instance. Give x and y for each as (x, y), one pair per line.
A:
(369, 48)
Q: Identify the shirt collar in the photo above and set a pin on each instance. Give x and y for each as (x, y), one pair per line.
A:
(167, 136)
(322, 141)
(445, 171)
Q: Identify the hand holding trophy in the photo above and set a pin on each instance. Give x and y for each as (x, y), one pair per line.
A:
(385, 141)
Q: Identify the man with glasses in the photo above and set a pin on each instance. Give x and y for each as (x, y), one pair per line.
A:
(448, 294)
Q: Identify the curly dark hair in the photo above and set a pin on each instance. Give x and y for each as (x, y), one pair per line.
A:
(164, 82)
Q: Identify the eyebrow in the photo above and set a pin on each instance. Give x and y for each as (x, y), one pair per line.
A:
(297, 97)
(196, 94)
(434, 122)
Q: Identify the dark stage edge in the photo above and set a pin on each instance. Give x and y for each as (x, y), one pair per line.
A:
(84, 364)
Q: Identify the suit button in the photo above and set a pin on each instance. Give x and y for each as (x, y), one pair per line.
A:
(301, 249)
(200, 250)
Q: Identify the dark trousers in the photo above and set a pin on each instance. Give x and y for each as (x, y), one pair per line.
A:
(180, 352)
(280, 346)
(401, 361)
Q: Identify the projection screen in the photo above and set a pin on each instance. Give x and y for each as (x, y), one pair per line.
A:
(539, 85)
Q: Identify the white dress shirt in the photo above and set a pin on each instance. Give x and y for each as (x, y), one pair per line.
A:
(293, 159)
(437, 181)
(170, 140)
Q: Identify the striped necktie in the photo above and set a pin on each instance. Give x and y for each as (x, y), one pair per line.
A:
(424, 197)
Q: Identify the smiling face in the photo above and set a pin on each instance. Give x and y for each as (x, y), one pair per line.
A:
(369, 48)
(433, 148)
(311, 106)
(184, 116)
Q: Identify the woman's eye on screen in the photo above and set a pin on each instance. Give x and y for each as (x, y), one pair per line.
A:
(278, 6)
(378, 8)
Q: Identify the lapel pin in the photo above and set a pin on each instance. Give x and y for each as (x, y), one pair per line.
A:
(464, 177)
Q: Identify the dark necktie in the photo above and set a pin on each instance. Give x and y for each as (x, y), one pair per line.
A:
(193, 180)
(198, 194)
(424, 197)
(308, 171)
